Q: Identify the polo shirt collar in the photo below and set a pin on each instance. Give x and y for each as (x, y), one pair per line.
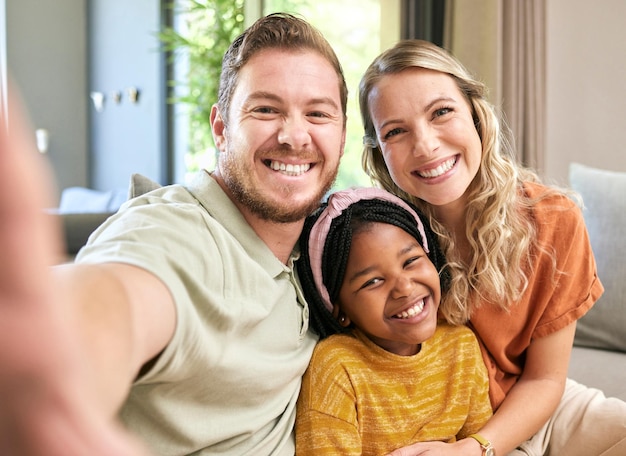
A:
(217, 203)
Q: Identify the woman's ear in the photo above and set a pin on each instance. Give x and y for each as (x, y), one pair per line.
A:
(340, 316)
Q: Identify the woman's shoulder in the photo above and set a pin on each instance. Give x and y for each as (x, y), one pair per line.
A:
(552, 193)
(556, 213)
(546, 199)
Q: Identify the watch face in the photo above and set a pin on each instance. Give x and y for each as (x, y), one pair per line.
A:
(490, 452)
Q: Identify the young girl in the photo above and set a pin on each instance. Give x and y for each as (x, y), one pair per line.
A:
(371, 271)
(522, 266)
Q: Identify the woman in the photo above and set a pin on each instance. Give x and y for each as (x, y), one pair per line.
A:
(523, 270)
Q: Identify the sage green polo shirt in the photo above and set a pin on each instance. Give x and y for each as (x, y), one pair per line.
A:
(228, 381)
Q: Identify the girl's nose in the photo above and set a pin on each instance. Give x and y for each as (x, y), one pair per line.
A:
(402, 287)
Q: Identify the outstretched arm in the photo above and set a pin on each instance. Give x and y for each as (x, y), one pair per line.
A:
(51, 404)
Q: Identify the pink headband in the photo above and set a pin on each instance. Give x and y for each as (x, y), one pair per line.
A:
(337, 203)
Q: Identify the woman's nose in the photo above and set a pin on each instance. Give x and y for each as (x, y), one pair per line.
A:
(426, 141)
(294, 132)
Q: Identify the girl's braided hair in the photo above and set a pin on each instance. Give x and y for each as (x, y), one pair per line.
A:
(352, 220)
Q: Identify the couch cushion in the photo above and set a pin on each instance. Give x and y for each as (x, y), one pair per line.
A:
(140, 184)
(602, 369)
(80, 200)
(78, 228)
(604, 197)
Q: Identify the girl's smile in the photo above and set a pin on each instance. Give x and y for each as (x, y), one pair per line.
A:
(391, 289)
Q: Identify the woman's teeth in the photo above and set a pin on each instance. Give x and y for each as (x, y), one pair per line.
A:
(289, 169)
(412, 311)
(439, 170)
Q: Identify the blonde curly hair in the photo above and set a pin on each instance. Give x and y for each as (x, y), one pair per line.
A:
(499, 226)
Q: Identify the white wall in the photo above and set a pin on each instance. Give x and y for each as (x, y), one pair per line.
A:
(586, 85)
(126, 137)
(46, 58)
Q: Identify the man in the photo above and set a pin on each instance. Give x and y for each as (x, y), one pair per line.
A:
(183, 313)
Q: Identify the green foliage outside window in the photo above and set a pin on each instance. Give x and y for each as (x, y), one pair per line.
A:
(208, 28)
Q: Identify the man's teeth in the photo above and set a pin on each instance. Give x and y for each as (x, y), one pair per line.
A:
(292, 170)
(439, 170)
(412, 311)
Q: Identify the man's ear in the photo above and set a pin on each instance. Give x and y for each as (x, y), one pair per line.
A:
(218, 128)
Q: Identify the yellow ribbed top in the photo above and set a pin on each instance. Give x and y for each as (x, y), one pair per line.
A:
(357, 398)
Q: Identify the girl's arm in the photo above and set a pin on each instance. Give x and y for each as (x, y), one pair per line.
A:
(526, 408)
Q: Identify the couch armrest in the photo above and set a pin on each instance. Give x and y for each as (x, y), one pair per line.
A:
(78, 227)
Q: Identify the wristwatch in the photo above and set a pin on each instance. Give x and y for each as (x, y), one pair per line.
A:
(488, 449)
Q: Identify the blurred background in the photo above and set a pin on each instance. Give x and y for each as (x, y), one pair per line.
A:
(115, 87)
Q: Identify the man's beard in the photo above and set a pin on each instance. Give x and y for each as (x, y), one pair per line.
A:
(235, 175)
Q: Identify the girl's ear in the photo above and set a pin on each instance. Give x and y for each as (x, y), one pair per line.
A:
(341, 317)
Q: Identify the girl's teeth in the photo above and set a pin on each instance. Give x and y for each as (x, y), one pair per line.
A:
(412, 311)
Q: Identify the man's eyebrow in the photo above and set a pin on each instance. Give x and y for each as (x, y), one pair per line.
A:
(264, 95)
(324, 100)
